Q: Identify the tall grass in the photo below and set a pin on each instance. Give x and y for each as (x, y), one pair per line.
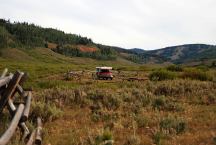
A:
(48, 112)
(160, 75)
(197, 74)
(175, 68)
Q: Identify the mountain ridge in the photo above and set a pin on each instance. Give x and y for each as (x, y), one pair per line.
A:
(24, 35)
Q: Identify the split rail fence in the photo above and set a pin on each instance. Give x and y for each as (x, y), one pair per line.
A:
(11, 90)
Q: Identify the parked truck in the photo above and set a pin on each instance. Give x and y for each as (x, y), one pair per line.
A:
(104, 73)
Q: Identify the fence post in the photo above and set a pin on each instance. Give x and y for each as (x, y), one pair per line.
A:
(9, 86)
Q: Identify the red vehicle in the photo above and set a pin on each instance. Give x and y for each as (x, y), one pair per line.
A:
(104, 73)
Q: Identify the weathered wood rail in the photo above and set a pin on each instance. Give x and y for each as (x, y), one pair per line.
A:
(10, 85)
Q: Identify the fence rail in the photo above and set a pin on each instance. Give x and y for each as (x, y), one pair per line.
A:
(10, 85)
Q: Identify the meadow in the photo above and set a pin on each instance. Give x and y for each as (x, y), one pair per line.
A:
(175, 106)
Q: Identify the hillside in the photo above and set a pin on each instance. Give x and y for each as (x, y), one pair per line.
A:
(182, 54)
(30, 36)
(24, 35)
(187, 53)
(49, 57)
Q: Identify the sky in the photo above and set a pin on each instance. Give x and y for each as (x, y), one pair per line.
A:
(146, 24)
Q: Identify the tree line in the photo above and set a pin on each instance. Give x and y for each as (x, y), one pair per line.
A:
(25, 35)
(103, 53)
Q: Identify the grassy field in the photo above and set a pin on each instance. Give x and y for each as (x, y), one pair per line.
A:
(175, 107)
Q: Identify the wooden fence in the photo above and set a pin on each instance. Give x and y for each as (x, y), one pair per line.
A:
(10, 90)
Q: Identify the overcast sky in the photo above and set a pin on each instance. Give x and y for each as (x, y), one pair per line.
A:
(147, 24)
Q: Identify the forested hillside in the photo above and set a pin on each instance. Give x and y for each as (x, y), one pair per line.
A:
(187, 53)
(30, 36)
(24, 35)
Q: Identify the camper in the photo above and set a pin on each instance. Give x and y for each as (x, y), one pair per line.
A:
(104, 73)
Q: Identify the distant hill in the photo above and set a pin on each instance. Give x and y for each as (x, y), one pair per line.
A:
(186, 53)
(30, 36)
(137, 50)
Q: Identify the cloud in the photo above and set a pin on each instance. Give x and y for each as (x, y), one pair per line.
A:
(147, 24)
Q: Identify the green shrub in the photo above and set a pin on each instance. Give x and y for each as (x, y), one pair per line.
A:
(106, 138)
(203, 68)
(161, 75)
(159, 102)
(141, 97)
(173, 125)
(95, 117)
(107, 100)
(133, 140)
(80, 97)
(197, 74)
(158, 137)
(173, 106)
(112, 102)
(169, 88)
(142, 121)
(47, 112)
(180, 126)
(105, 116)
(175, 68)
